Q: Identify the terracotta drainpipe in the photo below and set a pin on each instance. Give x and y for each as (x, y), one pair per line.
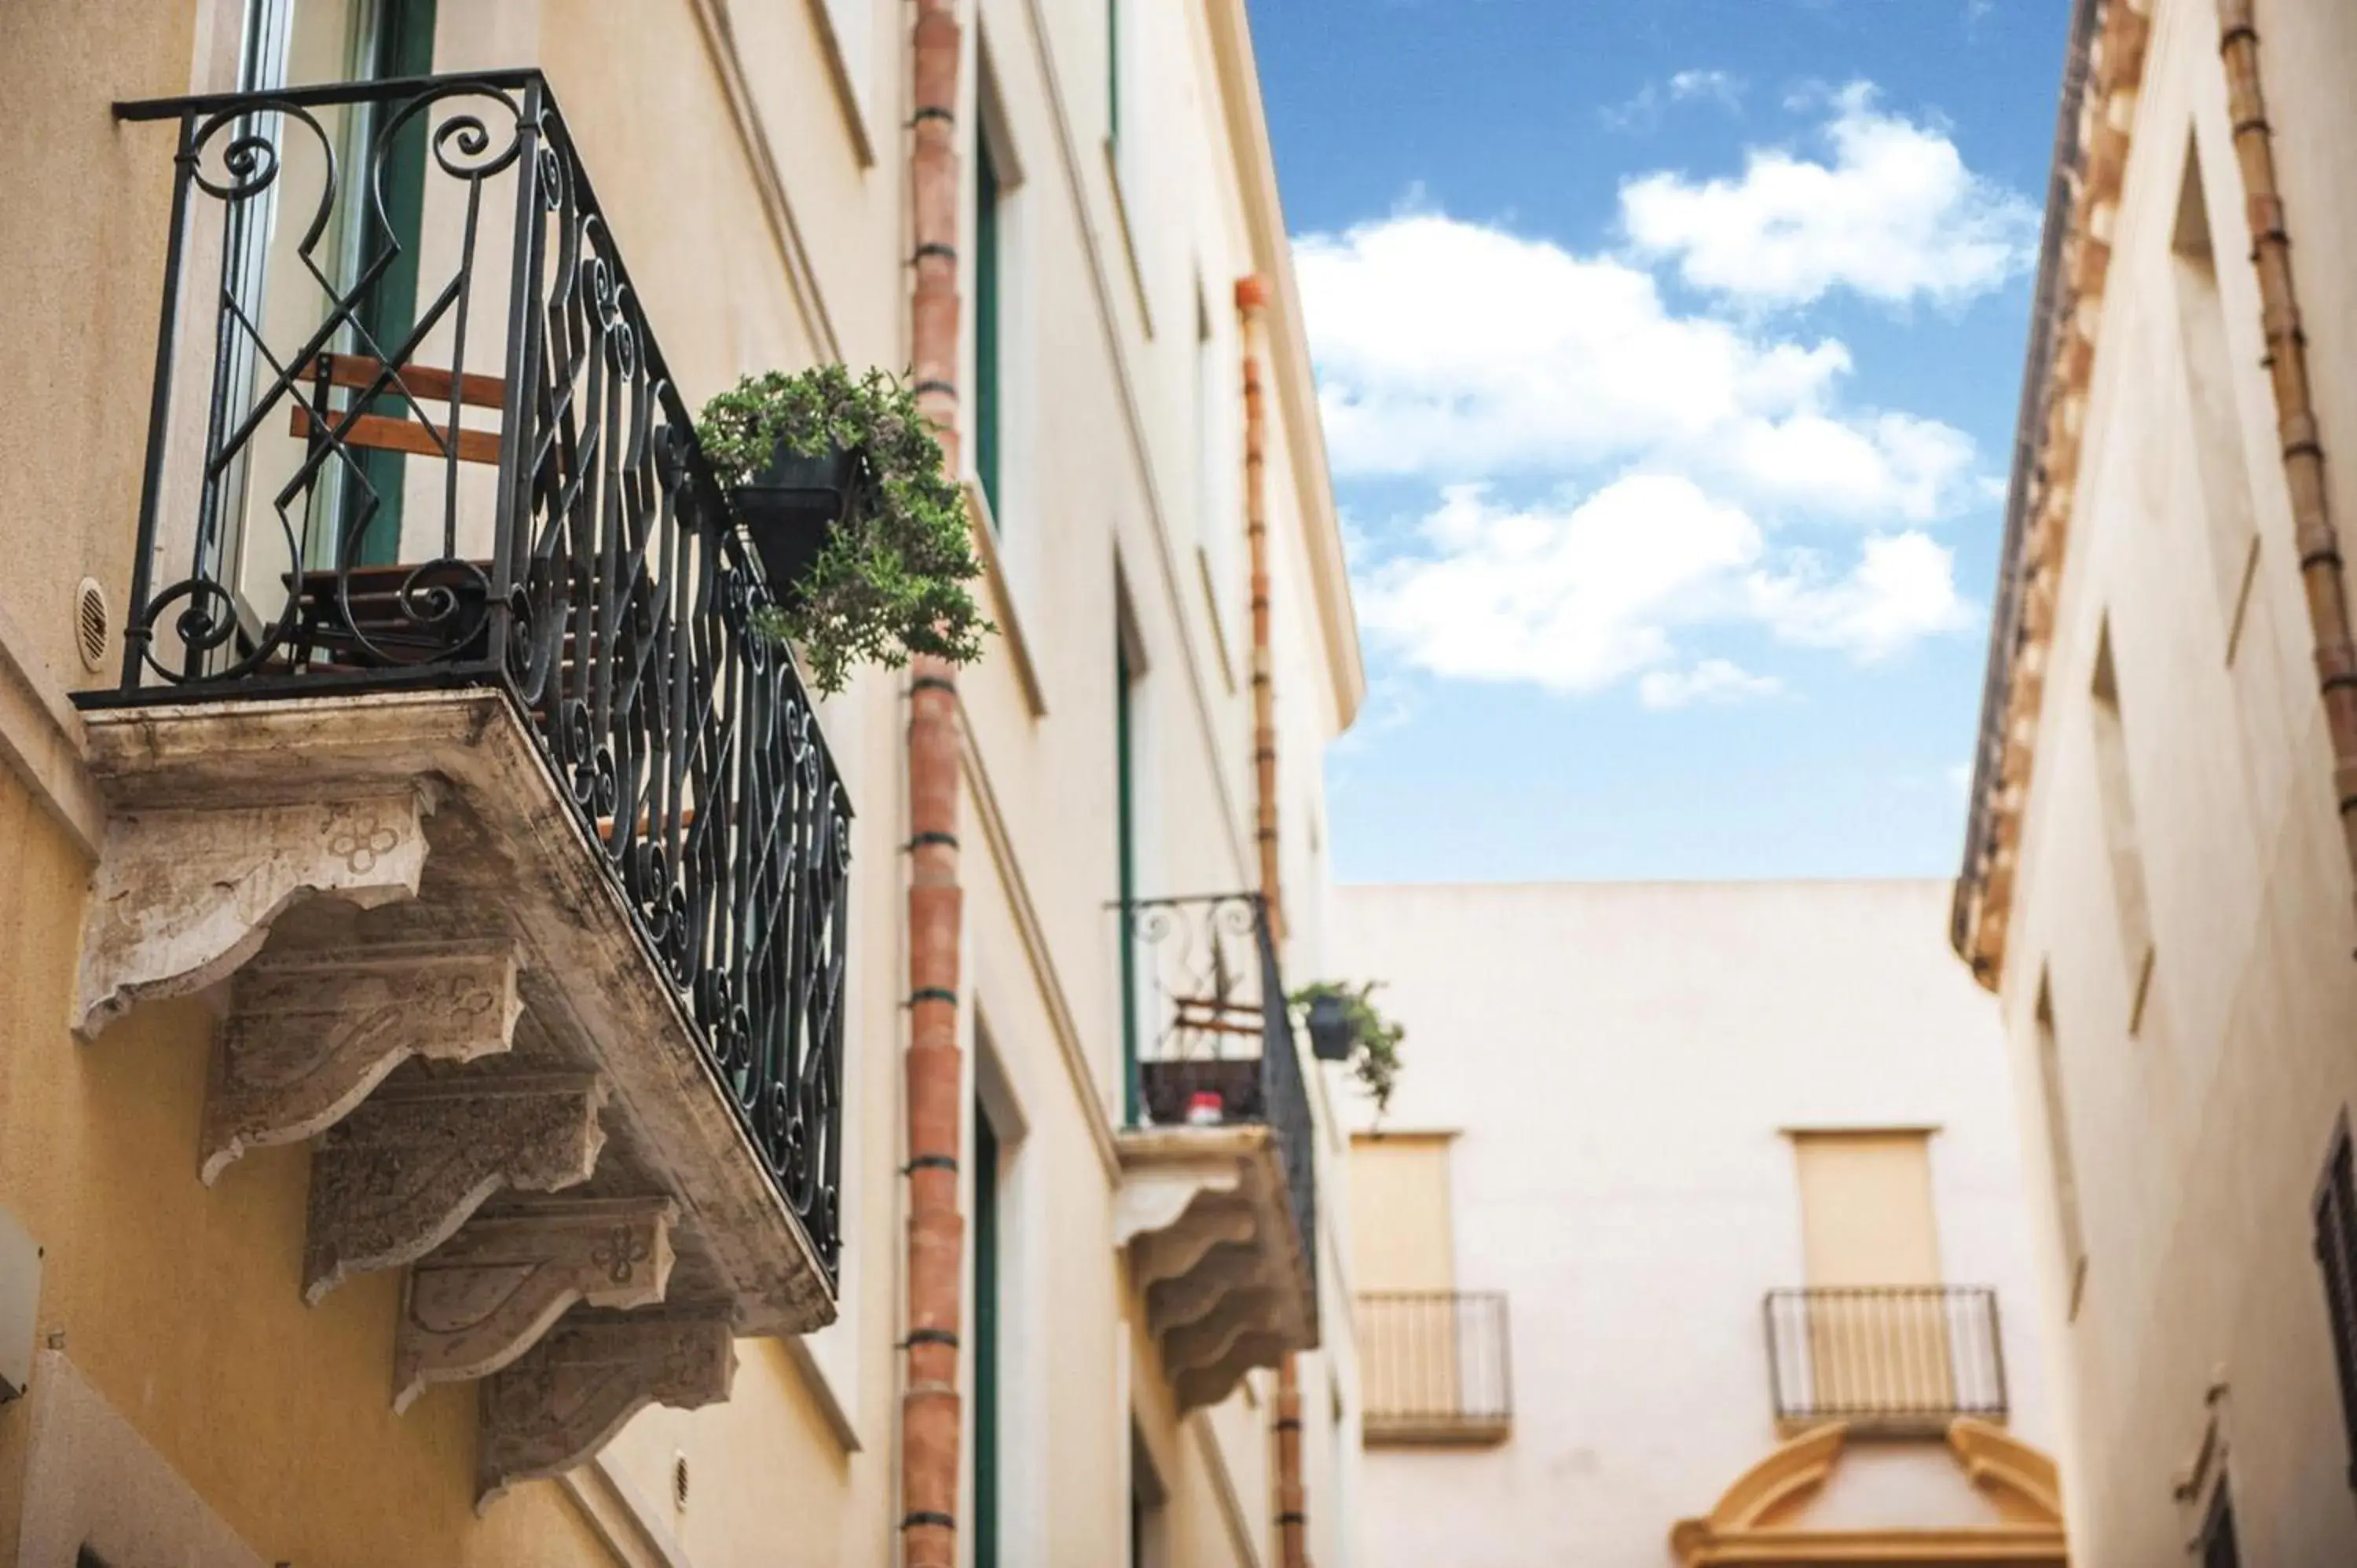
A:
(1251, 300)
(2296, 422)
(931, 1408)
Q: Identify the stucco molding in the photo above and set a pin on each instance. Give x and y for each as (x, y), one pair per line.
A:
(401, 1174)
(184, 897)
(91, 1480)
(309, 1035)
(1995, 1460)
(1758, 1519)
(41, 740)
(487, 1296)
(564, 1400)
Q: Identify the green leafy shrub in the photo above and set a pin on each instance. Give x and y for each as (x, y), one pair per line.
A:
(892, 578)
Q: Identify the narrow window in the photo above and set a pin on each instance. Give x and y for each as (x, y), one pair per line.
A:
(1148, 1497)
(2058, 1153)
(1879, 1331)
(2219, 458)
(1124, 739)
(2119, 806)
(985, 1339)
(1113, 72)
(2336, 1255)
(2219, 1548)
(986, 378)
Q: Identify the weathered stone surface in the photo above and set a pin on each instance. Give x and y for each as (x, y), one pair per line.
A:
(561, 1402)
(310, 1034)
(1209, 1385)
(487, 1296)
(1215, 1253)
(1208, 1222)
(397, 1178)
(509, 855)
(1202, 1343)
(185, 896)
(1174, 1303)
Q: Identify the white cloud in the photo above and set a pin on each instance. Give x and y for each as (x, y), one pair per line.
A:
(1573, 599)
(1904, 588)
(1455, 350)
(1710, 680)
(1643, 110)
(1895, 216)
(1579, 597)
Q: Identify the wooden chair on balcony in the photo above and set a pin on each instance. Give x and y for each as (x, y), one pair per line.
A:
(354, 618)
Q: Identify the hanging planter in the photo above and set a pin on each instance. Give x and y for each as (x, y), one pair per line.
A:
(1345, 1025)
(837, 483)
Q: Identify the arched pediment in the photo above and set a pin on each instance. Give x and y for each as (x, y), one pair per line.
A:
(1983, 1497)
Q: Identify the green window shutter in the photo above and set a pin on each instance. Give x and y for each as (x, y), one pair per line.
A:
(986, 1340)
(986, 327)
(403, 45)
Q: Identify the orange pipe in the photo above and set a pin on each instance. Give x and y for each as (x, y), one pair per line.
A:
(1252, 302)
(2296, 426)
(931, 1408)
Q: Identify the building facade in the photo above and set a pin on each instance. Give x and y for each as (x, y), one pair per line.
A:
(475, 1024)
(2157, 881)
(1694, 1235)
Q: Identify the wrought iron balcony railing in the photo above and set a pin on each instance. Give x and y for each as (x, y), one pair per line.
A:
(1211, 1035)
(1436, 1366)
(1893, 1358)
(409, 425)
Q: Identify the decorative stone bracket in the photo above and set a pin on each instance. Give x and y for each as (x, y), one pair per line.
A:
(396, 1178)
(560, 1403)
(487, 1294)
(309, 1035)
(184, 896)
(1202, 1215)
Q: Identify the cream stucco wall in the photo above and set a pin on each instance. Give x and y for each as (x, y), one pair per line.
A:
(2199, 1138)
(1622, 1065)
(760, 208)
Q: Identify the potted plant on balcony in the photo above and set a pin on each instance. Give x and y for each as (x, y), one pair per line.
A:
(838, 484)
(1345, 1025)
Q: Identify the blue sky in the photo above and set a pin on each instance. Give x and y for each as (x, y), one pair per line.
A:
(1669, 353)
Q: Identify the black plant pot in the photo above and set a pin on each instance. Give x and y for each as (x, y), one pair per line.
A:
(791, 510)
(1331, 1036)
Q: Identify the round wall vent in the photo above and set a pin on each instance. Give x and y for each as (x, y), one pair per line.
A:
(679, 1480)
(92, 625)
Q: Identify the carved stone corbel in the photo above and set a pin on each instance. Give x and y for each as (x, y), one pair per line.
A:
(563, 1400)
(1205, 1341)
(186, 895)
(1209, 1385)
(398, 1176)
(310, 1034)
(1210, 1221)
(1175, 1302)
(486, 1297)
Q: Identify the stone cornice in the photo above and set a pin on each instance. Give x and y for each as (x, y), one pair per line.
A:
(2103, 77)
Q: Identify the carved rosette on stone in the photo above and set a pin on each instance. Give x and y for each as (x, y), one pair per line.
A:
(310, 1034)
(183, 897)
(484, 1297)
(560, 1403)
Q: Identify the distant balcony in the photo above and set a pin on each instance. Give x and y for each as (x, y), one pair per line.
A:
(442, 735)
(1435, 1368)
(1895, 1360)
(1218, 1208)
